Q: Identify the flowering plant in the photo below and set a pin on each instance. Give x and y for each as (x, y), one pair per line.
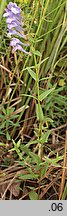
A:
(15, 27)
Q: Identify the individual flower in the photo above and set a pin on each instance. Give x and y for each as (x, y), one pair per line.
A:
(15, 27)
(16, 44)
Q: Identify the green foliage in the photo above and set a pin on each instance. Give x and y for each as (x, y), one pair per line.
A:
(45, 94)
(37, 82)
(33, 195)
(28, 176)
(39, 112)
(2, 7)
(17, 149)
(44, 137)
(7, 120)
(31, 72)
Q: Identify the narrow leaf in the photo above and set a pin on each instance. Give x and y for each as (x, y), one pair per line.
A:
(8, 136)
(28, 176)
(36, 52)
(45, 136)
(45, 94)
(33, 195)
(39, 112)
(32, 73)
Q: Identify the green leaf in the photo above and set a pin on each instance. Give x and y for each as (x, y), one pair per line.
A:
(44, 169)
(14, 143)
(14, 116)
(27, 95)
(63, 62)
(8, 136)
(36, 52)
(22, 163)
(1, 116)
(39, 112)
(45, 94)
(45, 136)
(61, 82)
(57, 159)
(18, 143)
(13, 149)
(19, 153)
(32, 73)
(28, 176)
(54, 161)
(2, 125)
(45, 78)
(2, 144)
(31, 142)
(47, 119)
(3, 110)
(34, 157)
(10, 110)
(1, 133)
(33, 195)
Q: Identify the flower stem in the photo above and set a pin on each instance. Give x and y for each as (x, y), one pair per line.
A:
(40, 150)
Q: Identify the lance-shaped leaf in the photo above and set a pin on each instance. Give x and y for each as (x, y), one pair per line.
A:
(46, 93)
(39, 112)
(44, 137)
(32, 73)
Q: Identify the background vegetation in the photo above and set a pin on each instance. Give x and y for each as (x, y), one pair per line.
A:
(33, 104)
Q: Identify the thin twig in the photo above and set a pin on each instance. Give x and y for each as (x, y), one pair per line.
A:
(58, 128)
(64, 170)
(8, 186)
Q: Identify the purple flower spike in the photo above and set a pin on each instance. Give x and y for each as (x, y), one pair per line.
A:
(15, 27)
(14, 8)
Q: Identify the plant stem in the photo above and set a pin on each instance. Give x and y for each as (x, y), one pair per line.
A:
(40, 150)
